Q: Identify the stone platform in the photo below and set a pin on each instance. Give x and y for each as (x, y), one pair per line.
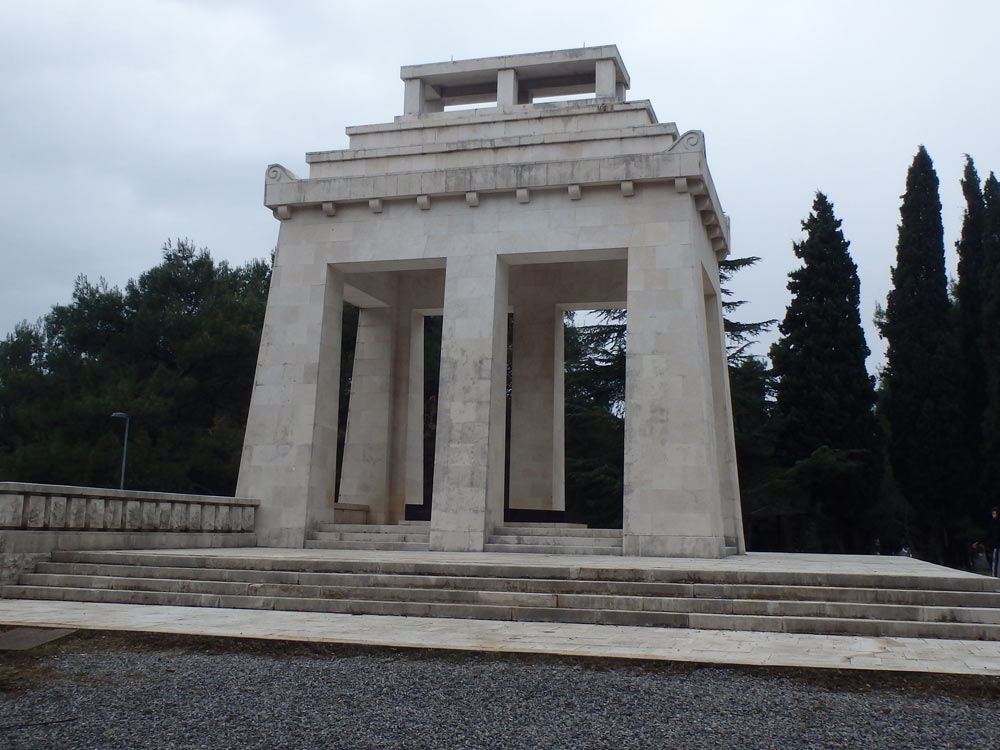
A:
(698, 644)
(773, 609)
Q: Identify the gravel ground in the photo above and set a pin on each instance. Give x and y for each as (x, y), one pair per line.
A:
(100, 690)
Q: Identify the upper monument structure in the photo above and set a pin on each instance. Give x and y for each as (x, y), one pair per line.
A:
(519, 206)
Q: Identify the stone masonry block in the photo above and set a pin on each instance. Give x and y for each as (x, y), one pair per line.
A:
(133, 515)
(95, 512)
(208, 517)
(11, 511)
(222, 518)
(194, 516)
(178, 517)
(249, 513)
(164, 514)
(150, 515)
(76, 513)
(34, 512)
(113, 514)
(55, 517)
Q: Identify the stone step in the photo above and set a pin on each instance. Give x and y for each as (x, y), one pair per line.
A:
(552, 549)
(782, 608)
(713, 621)
(556, 541)
(913, 597)
(591, 570)
(549, 531)
(362, 528)
(545, 525)
(367, 544)
(359, 536)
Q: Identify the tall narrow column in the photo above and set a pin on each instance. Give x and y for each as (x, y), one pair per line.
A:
(365, 473)
(469, 457)
(290, 447)
(532, 419)
(729, 485)
(671, 504)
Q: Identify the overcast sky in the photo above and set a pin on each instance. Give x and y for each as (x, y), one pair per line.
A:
(128, 122)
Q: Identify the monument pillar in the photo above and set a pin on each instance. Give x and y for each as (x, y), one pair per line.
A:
(729, 486)
(671, 503)
(538, 445)
(290, 449)
(469, 456)
(365, 476)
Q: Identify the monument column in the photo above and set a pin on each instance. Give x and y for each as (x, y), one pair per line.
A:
(538, 444)
(365, 474)
(671, 505)
(729, 485)
(290, 447)
(469, 456)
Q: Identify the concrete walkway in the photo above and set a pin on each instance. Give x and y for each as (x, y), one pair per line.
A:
(707, 646)
(668, 644)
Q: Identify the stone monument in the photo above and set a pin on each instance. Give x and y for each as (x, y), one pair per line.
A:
(520, 206)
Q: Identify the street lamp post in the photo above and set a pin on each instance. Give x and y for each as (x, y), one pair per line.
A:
(123, 415)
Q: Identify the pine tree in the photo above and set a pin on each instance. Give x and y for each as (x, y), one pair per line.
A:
(990, 340)
(824, 397)
(739, 334)
(970, 314)
(921, 379)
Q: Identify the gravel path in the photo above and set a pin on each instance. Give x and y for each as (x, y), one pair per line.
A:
(142, 691)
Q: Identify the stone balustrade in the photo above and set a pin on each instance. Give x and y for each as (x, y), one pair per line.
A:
(45, 507)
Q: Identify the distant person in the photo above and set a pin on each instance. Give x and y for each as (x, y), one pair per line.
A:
(992, 542)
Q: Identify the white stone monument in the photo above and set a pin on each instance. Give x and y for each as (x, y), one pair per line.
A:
(523, 206)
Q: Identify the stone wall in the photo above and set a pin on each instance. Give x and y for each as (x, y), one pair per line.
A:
(38, 518)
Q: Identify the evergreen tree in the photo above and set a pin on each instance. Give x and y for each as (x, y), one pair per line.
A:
(922, 396)
(826, 430)
(739, 334)
(990, 289)
(970, 314)
(176, 350)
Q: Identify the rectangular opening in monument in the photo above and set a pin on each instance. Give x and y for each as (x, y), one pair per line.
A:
(594, 415)
(349, 340)
(432, 371)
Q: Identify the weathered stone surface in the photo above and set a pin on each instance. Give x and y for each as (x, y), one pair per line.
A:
(34, 511)
(208, 517)
(11, 510)
(55, 515)
(95, 513)
(178, 517)
(76, 513)
(113, 513)
(133, 514)
(194, 516)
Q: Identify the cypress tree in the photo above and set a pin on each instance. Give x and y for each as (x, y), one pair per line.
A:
(970, 313)
(824, 396)
(990, 289)
(922, 393)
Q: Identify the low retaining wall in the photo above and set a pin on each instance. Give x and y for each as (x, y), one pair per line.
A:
(38, 518)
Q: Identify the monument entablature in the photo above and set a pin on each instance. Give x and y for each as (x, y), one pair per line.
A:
(520, 207)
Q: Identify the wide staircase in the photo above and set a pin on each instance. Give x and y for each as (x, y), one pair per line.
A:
(543, 538)
(581, 590)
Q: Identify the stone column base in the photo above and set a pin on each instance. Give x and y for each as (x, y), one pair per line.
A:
(456, 541)
(649, 545)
